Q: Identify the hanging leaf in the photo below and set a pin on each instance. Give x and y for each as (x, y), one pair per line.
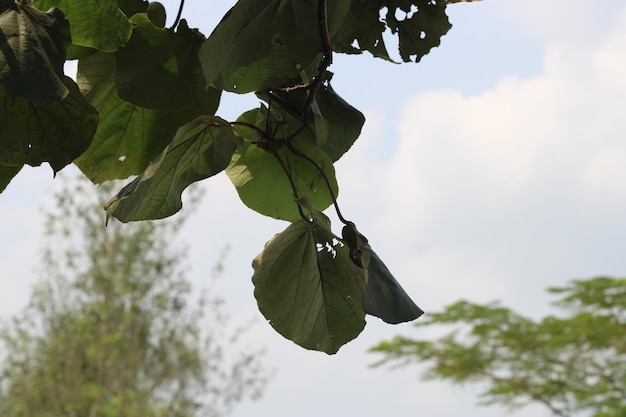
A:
(264, 186)
(307, 287)
(158, 68)
(33, 47)
(58, 133)
(383, 296)
(334, 125)
(264, 44)
(420, 28)
(200, 149)
(129, 136)
(98, 24)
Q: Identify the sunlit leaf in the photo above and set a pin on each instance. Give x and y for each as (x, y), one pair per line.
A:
(129, 136)
(383, 296)
(58, 133)
(98, 24)
(200, 149)
(33, 47)
(264, 186)
(158, 68)
(307, 287)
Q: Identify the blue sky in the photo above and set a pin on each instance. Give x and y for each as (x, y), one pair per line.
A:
(491, 170)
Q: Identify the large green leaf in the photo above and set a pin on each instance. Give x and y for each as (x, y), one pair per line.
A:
(33, 47)
(307, 287)
(200, 149)
(129, 136)
(383, 296)
(420, 28)
(58, 133)
(158, 68)
(98, 24)
(264, 186)
(264, 44)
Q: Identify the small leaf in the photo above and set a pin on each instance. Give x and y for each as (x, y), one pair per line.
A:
(157, 69)
(129, 136)
(308, 289)
(200, 149)
(383, 296)
(33, 47)
(263, 185)
(98, 24)
(58, 133)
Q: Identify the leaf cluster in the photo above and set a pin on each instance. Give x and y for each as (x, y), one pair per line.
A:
(570, 363)
(145, 103)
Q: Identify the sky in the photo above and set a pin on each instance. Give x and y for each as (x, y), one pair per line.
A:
(491, 170)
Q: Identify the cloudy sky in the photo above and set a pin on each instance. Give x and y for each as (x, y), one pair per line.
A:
(491, 170)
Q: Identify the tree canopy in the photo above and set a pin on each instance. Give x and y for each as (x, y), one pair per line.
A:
(113, 329)
(146, 101)
(572, 363)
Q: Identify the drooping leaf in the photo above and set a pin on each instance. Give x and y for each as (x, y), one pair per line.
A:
(383, 296)
(58, 133)
(419, 29)
(263, 44)
(158, 68)
(6, 175)
(98, 24)
(129, 136)
(264, 186)
(333, 123)
(32, 45)
(200, 149)
(307, 287)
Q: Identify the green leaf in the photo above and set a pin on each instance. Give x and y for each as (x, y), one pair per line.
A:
(307, 287)
(333, 124)
(33, 47)
(6, 175)
(158, 68)
(265, 44)
(98, 24)
(58, 133)
(264, 186)
(132, 7)
(129, 136)
(420, 29)
(200, 149)
(383, 296)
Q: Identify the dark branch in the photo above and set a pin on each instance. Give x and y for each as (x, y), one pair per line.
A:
(180, 12)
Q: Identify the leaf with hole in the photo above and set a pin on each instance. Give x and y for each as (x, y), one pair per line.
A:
(308, 288)
(130, 136)
(200, 149)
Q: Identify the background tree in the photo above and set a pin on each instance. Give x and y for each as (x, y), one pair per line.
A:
(573, 363)
(112, 328)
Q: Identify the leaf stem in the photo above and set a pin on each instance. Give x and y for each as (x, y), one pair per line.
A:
(326, 180)
(293, 186)
(180, 12)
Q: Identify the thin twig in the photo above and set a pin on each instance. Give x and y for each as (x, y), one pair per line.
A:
(180, 12)
(293, 186)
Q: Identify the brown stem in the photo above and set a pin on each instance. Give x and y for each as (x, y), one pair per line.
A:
(180, 12)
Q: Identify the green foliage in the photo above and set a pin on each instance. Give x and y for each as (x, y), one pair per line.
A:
(148, 105)
(111, 329)
(570, 363)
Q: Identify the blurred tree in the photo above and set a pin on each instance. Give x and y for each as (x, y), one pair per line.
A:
(112, 330)
(573, 363)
